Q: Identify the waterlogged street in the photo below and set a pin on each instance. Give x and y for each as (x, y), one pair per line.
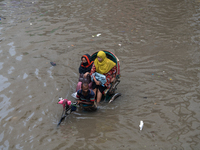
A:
(158, 45)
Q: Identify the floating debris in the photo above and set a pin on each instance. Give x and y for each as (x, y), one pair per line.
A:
(141, 124)
(31, 24)
(120, 44)
(98, 34)
(53, 64)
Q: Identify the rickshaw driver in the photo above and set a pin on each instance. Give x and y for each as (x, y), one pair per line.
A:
(85, 95)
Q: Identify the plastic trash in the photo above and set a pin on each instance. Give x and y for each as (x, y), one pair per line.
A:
(74, 95)
(53, 64)
(141, 124)
(98, 34)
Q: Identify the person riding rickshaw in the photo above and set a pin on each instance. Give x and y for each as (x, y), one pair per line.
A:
(105, 64)
(105, 73)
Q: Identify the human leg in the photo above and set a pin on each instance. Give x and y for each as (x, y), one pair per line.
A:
(99, 95)
(99, 92)
(95, 91)
(94, 88)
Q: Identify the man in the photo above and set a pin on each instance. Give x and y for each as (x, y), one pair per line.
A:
(86, 97)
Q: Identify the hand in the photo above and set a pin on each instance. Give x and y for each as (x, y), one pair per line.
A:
(113, 79)
(97, 82)
(85, 75)
(78, 102)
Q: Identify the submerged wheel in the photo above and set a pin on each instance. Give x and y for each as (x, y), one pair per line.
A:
(114, 97)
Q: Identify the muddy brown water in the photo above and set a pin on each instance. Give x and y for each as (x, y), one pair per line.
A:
(157, 43)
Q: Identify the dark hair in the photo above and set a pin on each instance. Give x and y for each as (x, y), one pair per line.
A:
(85, 83)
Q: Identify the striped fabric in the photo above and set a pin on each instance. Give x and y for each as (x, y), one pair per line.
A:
(90, 96)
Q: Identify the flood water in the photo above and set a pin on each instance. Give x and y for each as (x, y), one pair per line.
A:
(157, 43)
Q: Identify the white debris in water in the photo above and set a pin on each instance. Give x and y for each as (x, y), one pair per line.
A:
(141, 124)
(98, 34)
(120, 44)
(30, 24)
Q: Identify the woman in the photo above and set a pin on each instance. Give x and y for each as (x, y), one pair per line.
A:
(104, 66)
(84, 69)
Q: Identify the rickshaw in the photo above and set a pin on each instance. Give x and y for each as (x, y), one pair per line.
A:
(108, 95)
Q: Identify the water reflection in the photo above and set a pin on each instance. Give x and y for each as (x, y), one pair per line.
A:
(5, 106)
(11, 70)
(12, 49)
(3, 83)
(5, 145)
(19, 58)
(25, 76)
(1, 65)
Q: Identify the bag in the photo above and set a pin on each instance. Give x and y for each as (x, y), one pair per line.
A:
(99, 77)
(87, 79)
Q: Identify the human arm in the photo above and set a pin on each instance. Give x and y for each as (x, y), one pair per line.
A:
(93, 70)
(97, 82)
(78, 97)
(110, 76)
(82, 102)
(89, 101)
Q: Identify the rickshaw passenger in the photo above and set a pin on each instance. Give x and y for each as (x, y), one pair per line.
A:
(104, 66)
(84, 69)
